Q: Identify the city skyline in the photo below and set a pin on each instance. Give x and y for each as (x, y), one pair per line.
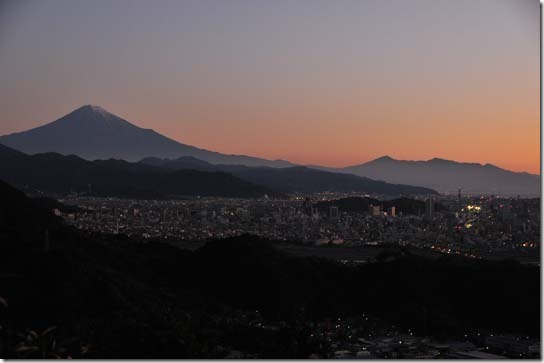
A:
(454, 80)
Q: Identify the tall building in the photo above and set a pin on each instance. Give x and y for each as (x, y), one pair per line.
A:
(429, 208)
(333, 212)
(459, 205)
(392, 212)
(315, 213)
(375, 210)
(307, 206)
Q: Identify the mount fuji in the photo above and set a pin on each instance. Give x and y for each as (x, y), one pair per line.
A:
(92, 133)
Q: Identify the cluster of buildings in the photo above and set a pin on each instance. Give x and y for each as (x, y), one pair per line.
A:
(483, 227)
(364, 337)
(477, 227)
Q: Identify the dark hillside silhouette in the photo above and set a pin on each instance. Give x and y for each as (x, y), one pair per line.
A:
(128, 299)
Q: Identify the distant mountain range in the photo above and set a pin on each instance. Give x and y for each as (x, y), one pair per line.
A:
(294, 179)
(55, 173)
(94, 133)
(447, 176)
(155, 179)
(91, 132)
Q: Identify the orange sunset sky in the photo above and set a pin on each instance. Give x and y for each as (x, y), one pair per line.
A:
(333, 83)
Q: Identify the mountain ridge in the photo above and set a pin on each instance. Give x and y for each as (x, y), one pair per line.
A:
(295, 178)
(56, 173)
(448, 175)
(434, 160)
(92, 132)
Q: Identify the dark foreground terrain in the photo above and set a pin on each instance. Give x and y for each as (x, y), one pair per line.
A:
(68, 293)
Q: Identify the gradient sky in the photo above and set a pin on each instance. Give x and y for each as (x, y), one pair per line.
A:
(333, 82)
